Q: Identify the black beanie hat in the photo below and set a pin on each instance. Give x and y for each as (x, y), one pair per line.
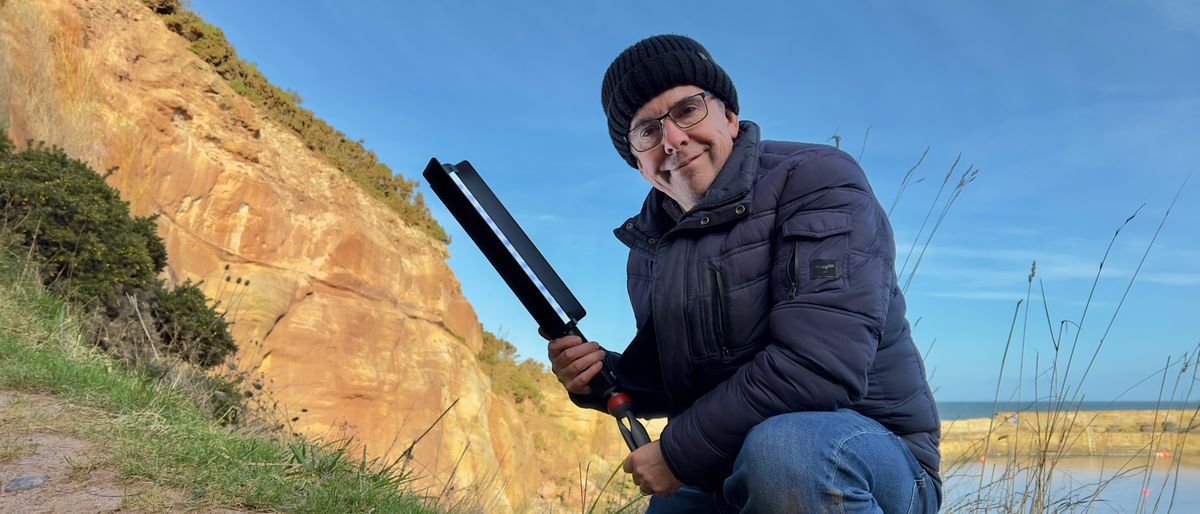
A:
(648, 68)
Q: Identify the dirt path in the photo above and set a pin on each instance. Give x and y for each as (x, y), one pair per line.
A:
(46, 467)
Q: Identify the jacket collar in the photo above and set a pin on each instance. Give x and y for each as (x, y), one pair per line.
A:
(719, 204)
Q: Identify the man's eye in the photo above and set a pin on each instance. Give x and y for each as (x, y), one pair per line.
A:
(687, 111)
(648, 131)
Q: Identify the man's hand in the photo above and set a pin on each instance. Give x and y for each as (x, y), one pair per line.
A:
(575, 362)
(650, 471)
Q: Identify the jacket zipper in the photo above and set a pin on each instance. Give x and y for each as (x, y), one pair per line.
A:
(793, 275)
(719, 319)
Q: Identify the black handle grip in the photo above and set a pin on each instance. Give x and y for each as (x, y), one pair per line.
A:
(640, 437)
(620, 406)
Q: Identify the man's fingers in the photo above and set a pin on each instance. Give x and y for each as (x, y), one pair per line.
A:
(628, 466)
(575, 380)
(579, 351)
(575, 362)
(579, 368)
(581, 380)
(557, 346)
(561, 362)
(579, 364)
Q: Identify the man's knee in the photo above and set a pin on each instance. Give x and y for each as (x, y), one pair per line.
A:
(787, 460)
(798, 442)
(819, 459)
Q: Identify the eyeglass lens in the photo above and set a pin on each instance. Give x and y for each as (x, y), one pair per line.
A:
(685, 114)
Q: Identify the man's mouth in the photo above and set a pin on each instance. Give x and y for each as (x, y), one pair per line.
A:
(684, 163)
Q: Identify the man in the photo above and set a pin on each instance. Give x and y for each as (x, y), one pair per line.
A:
(771, 331)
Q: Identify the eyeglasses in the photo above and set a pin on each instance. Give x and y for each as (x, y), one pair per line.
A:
(685, 114)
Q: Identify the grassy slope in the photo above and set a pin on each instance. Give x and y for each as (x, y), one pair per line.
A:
(159, 435)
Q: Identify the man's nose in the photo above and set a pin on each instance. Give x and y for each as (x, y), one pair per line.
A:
(673, 137)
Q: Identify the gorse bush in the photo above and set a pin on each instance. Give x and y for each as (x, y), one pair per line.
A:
(147, 227)
(362, 165)
(92, 252)
(189, 327)
(90, 247)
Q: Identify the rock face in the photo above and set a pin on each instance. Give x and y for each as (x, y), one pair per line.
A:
(354, 318)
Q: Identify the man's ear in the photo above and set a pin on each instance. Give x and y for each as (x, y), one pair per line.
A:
(732, 119)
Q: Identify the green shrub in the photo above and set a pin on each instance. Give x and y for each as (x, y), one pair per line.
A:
(91, 251)
(518, 381)
(89, 245)
(360, 164)
(189, 327)
(495, 350)
(523, 383)
(147, 227)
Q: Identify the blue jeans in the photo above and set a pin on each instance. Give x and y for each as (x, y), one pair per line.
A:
(836, 461)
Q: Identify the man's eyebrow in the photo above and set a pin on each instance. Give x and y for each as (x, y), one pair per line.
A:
(640, 121)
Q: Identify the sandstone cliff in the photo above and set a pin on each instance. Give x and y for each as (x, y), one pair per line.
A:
(353, 317)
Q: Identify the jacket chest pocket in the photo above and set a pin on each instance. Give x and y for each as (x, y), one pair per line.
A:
(733, 305)
(719, 314)
(816, 247)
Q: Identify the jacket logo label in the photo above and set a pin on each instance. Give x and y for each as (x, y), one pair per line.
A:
(820, 268)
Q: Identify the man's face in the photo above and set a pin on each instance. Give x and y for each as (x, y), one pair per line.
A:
(686, 162)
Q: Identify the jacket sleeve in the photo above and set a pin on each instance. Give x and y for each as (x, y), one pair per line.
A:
(637, 374)
(824, 327)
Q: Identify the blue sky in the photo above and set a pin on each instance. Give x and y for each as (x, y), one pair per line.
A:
(1076, 115)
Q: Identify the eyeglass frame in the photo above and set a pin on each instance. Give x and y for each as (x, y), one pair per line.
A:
(704, 95)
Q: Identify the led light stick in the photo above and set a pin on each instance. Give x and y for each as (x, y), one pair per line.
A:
(526, 272)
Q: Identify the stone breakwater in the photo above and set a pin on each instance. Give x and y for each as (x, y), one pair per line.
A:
(1158, 434)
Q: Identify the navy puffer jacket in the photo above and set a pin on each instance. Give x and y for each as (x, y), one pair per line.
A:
(776, 294)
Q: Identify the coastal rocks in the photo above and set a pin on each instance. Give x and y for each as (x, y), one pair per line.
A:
(1068, 433)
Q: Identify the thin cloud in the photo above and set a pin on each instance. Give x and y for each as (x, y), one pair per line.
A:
(999, 267)
(979, 295)
(1172, 279)
(1014, 254)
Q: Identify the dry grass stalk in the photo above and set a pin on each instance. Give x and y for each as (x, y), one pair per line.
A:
(1029, 480)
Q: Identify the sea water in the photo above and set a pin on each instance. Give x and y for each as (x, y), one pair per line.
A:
(1079, 484)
